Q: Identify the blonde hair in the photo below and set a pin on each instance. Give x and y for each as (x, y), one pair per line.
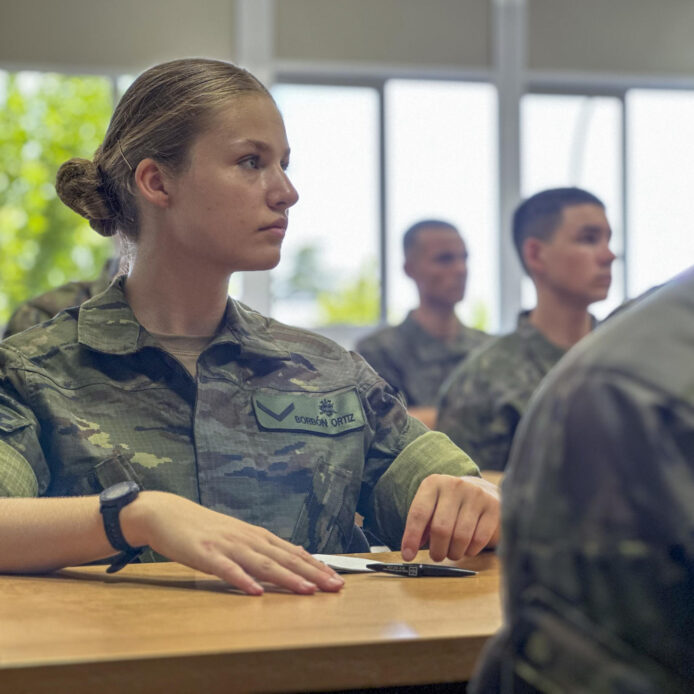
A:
(159, 116)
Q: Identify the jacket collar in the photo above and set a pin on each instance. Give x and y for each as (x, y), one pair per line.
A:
(106, 323)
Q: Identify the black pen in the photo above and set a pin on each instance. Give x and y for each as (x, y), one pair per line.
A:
(415, 570)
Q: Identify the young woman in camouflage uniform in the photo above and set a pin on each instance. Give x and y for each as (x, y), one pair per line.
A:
(251, 441)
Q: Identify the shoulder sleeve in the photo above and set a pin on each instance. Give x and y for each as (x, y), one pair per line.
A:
(401, 452)
(23, 468)
(428, 454)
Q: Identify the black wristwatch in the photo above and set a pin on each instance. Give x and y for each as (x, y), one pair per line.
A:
(112, 500)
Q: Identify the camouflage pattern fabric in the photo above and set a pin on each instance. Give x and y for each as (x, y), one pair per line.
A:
(46, 305)
(598, 515)
(282, 428)
(415, 362)
(485, 397)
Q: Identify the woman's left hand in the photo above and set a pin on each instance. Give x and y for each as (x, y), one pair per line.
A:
(457, 516)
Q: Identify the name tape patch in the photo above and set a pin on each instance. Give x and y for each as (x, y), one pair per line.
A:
(320, 413)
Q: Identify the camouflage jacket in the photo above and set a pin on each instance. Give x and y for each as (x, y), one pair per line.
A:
(484, 399)
(282, 428)
(415, 362)
(598, 515)
(46, 305)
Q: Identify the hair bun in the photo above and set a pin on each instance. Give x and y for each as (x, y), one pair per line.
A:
(80, 186)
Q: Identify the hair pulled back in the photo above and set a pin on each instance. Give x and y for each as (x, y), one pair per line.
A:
(160, 114)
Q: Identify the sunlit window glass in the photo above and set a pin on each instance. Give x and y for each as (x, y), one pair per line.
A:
(569, 140)
(46, 119)
(329, 269)
(441, 162)
(660, 201)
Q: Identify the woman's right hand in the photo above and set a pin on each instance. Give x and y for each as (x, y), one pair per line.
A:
(237, 552)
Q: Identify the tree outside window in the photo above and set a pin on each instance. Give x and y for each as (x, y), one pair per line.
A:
(46, 119)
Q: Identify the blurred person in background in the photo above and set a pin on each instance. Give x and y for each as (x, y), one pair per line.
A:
(562, 237)
(418, 355)
(46, 305)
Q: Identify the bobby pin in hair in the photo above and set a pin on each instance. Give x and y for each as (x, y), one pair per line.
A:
(124, 157)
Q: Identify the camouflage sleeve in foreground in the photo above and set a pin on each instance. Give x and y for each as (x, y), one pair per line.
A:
(430, 453)
(477, 414)
(598, 520)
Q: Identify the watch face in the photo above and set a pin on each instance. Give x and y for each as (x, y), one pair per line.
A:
(118, 491)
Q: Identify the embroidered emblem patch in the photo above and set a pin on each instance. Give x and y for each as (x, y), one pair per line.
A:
(317, 413)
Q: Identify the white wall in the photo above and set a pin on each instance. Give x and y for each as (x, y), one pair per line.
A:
(635, 36)
(112, 36)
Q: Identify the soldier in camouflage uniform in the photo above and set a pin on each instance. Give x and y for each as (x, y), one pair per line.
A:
(417, 356)
(46, 305)
(250, 440)
(598, 520)
(562, 238)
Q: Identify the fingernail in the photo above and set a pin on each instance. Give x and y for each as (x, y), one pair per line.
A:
(408, 553)
(336, 581)
(255, 589)
(308, 586)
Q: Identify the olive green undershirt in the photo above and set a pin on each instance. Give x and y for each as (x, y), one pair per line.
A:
(184, 348)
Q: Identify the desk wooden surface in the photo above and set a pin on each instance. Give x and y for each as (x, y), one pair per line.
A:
(166, 628)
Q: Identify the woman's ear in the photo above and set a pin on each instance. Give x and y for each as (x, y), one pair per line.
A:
(152, 182)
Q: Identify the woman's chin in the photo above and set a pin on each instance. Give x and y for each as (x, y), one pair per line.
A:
(267, 261)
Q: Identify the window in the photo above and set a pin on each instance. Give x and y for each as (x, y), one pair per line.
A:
(569, 140)
(329, 268)
(441, 162)
(661, 170)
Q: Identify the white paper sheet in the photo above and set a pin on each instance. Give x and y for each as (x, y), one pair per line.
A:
(346, 565)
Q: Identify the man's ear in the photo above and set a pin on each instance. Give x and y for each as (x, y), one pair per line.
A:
(407, 268)
(533, 255)
(152, 182)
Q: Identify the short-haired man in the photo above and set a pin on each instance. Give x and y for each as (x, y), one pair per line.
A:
(598, 520)
(416, 356)
(562, 237)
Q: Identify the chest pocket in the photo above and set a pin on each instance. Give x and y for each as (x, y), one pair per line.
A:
(333, 452)
(326, 520)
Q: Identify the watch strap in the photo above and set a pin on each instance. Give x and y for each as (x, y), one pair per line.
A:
(123, 559)
(110, 508)
(114, 533)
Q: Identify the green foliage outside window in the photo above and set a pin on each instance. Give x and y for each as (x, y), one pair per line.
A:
(46, 119)
(354, 302)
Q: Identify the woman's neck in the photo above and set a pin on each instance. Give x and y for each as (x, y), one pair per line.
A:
(171, 299)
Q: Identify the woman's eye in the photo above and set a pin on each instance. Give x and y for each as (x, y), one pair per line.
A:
(284, 165)
(250, 162)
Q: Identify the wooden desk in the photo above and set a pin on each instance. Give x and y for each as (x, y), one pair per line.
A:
(168, 629)
(494, 476)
